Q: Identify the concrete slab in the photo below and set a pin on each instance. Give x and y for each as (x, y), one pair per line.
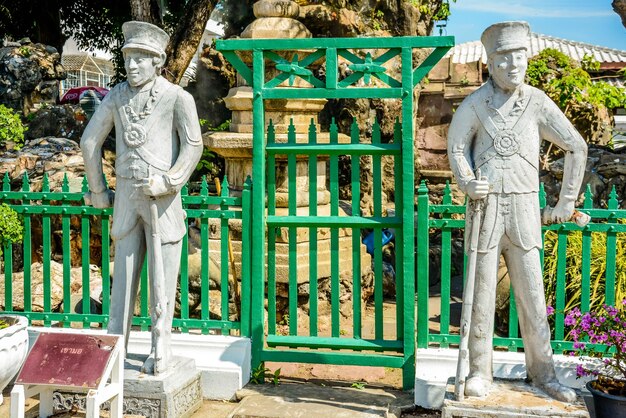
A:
(302, 400)
(510, 398)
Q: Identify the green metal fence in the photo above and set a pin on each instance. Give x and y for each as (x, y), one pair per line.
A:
(448, 220)
(49, 210)
(291, 59)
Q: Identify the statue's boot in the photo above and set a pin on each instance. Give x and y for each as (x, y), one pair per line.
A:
(477, 386)
(557, 391)
(148, 365)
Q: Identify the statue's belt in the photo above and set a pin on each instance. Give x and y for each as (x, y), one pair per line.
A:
(506, 141)
(137, 162)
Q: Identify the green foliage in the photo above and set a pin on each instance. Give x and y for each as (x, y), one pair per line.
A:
(11, 127)
(589, 63)
(206, 163)
(569, 84)
(284, 320)
(24, 51)
(377, 19)
(3, 324)
(11, 228)
(261, 373)
(257, 375)
(574, 267)
(358, 385)
(438, 10)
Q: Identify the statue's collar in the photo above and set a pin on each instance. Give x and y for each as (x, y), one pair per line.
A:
(520, 102)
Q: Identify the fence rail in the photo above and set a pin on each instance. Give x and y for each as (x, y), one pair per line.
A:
(567, 260)
(52, 216)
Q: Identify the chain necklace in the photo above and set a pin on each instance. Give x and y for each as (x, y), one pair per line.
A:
(147, 110)
(135, 133)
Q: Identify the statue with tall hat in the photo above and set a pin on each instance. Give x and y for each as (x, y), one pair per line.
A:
(493, 147)
(158, 145)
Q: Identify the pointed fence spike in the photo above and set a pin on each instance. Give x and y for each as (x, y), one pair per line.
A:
(334, 132)
(447, 194)
(271, 133)
(25, 182)
(185, 190)
(354, 132)
(423, 189)
(376, 132)
(85, 185)
(291, 132)
(45, 183)
(6, 183)
(312, 132)
(248, 183)
(613, 202)
(225, 186)
(65, 184)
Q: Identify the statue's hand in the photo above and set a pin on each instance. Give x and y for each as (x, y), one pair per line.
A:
(100, 200)
(562, 212)
(155, 186)
(477, 189)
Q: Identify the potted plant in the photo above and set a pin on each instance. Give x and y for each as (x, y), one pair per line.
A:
(13, 347)
(600, 341)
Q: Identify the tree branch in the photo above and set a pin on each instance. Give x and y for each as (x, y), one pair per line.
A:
(186, 37)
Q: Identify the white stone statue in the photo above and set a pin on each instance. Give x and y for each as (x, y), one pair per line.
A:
(497, 132)
(158, 145)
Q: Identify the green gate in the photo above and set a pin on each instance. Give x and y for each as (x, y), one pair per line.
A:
(286, 340)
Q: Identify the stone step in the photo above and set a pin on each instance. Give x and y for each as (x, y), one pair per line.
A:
(302, 400)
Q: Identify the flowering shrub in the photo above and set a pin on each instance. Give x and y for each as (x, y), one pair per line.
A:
(601, 335)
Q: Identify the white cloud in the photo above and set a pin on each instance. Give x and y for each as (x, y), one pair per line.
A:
(518, 10)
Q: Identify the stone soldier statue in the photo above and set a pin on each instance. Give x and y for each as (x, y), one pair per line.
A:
(497, 131)
(158, 145)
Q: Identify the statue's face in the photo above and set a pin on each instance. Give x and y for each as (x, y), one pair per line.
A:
(508, 68)
(141, 66)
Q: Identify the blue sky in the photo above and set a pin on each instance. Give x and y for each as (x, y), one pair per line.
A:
(590, 21)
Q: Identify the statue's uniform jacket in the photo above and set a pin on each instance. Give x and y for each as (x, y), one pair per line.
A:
(510, 162)
(172, 149)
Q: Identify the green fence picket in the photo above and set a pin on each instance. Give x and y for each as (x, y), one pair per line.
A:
(355, 185)
(585, 284)
(611, 249)
(293, 233)
(313, 285)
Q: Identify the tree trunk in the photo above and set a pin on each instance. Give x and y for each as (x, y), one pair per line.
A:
(145, 11)
(620, 8)
(48, 26)
(186, 37)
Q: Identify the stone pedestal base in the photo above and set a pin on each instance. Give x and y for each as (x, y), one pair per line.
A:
(175, 394)
(510, 398)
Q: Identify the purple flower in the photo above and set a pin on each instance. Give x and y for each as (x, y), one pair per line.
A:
(579, 346)
(570, 319)
(549, 310)
(611, 310)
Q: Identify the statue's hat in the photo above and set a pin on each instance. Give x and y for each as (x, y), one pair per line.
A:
(506, 36)
(144, 36)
